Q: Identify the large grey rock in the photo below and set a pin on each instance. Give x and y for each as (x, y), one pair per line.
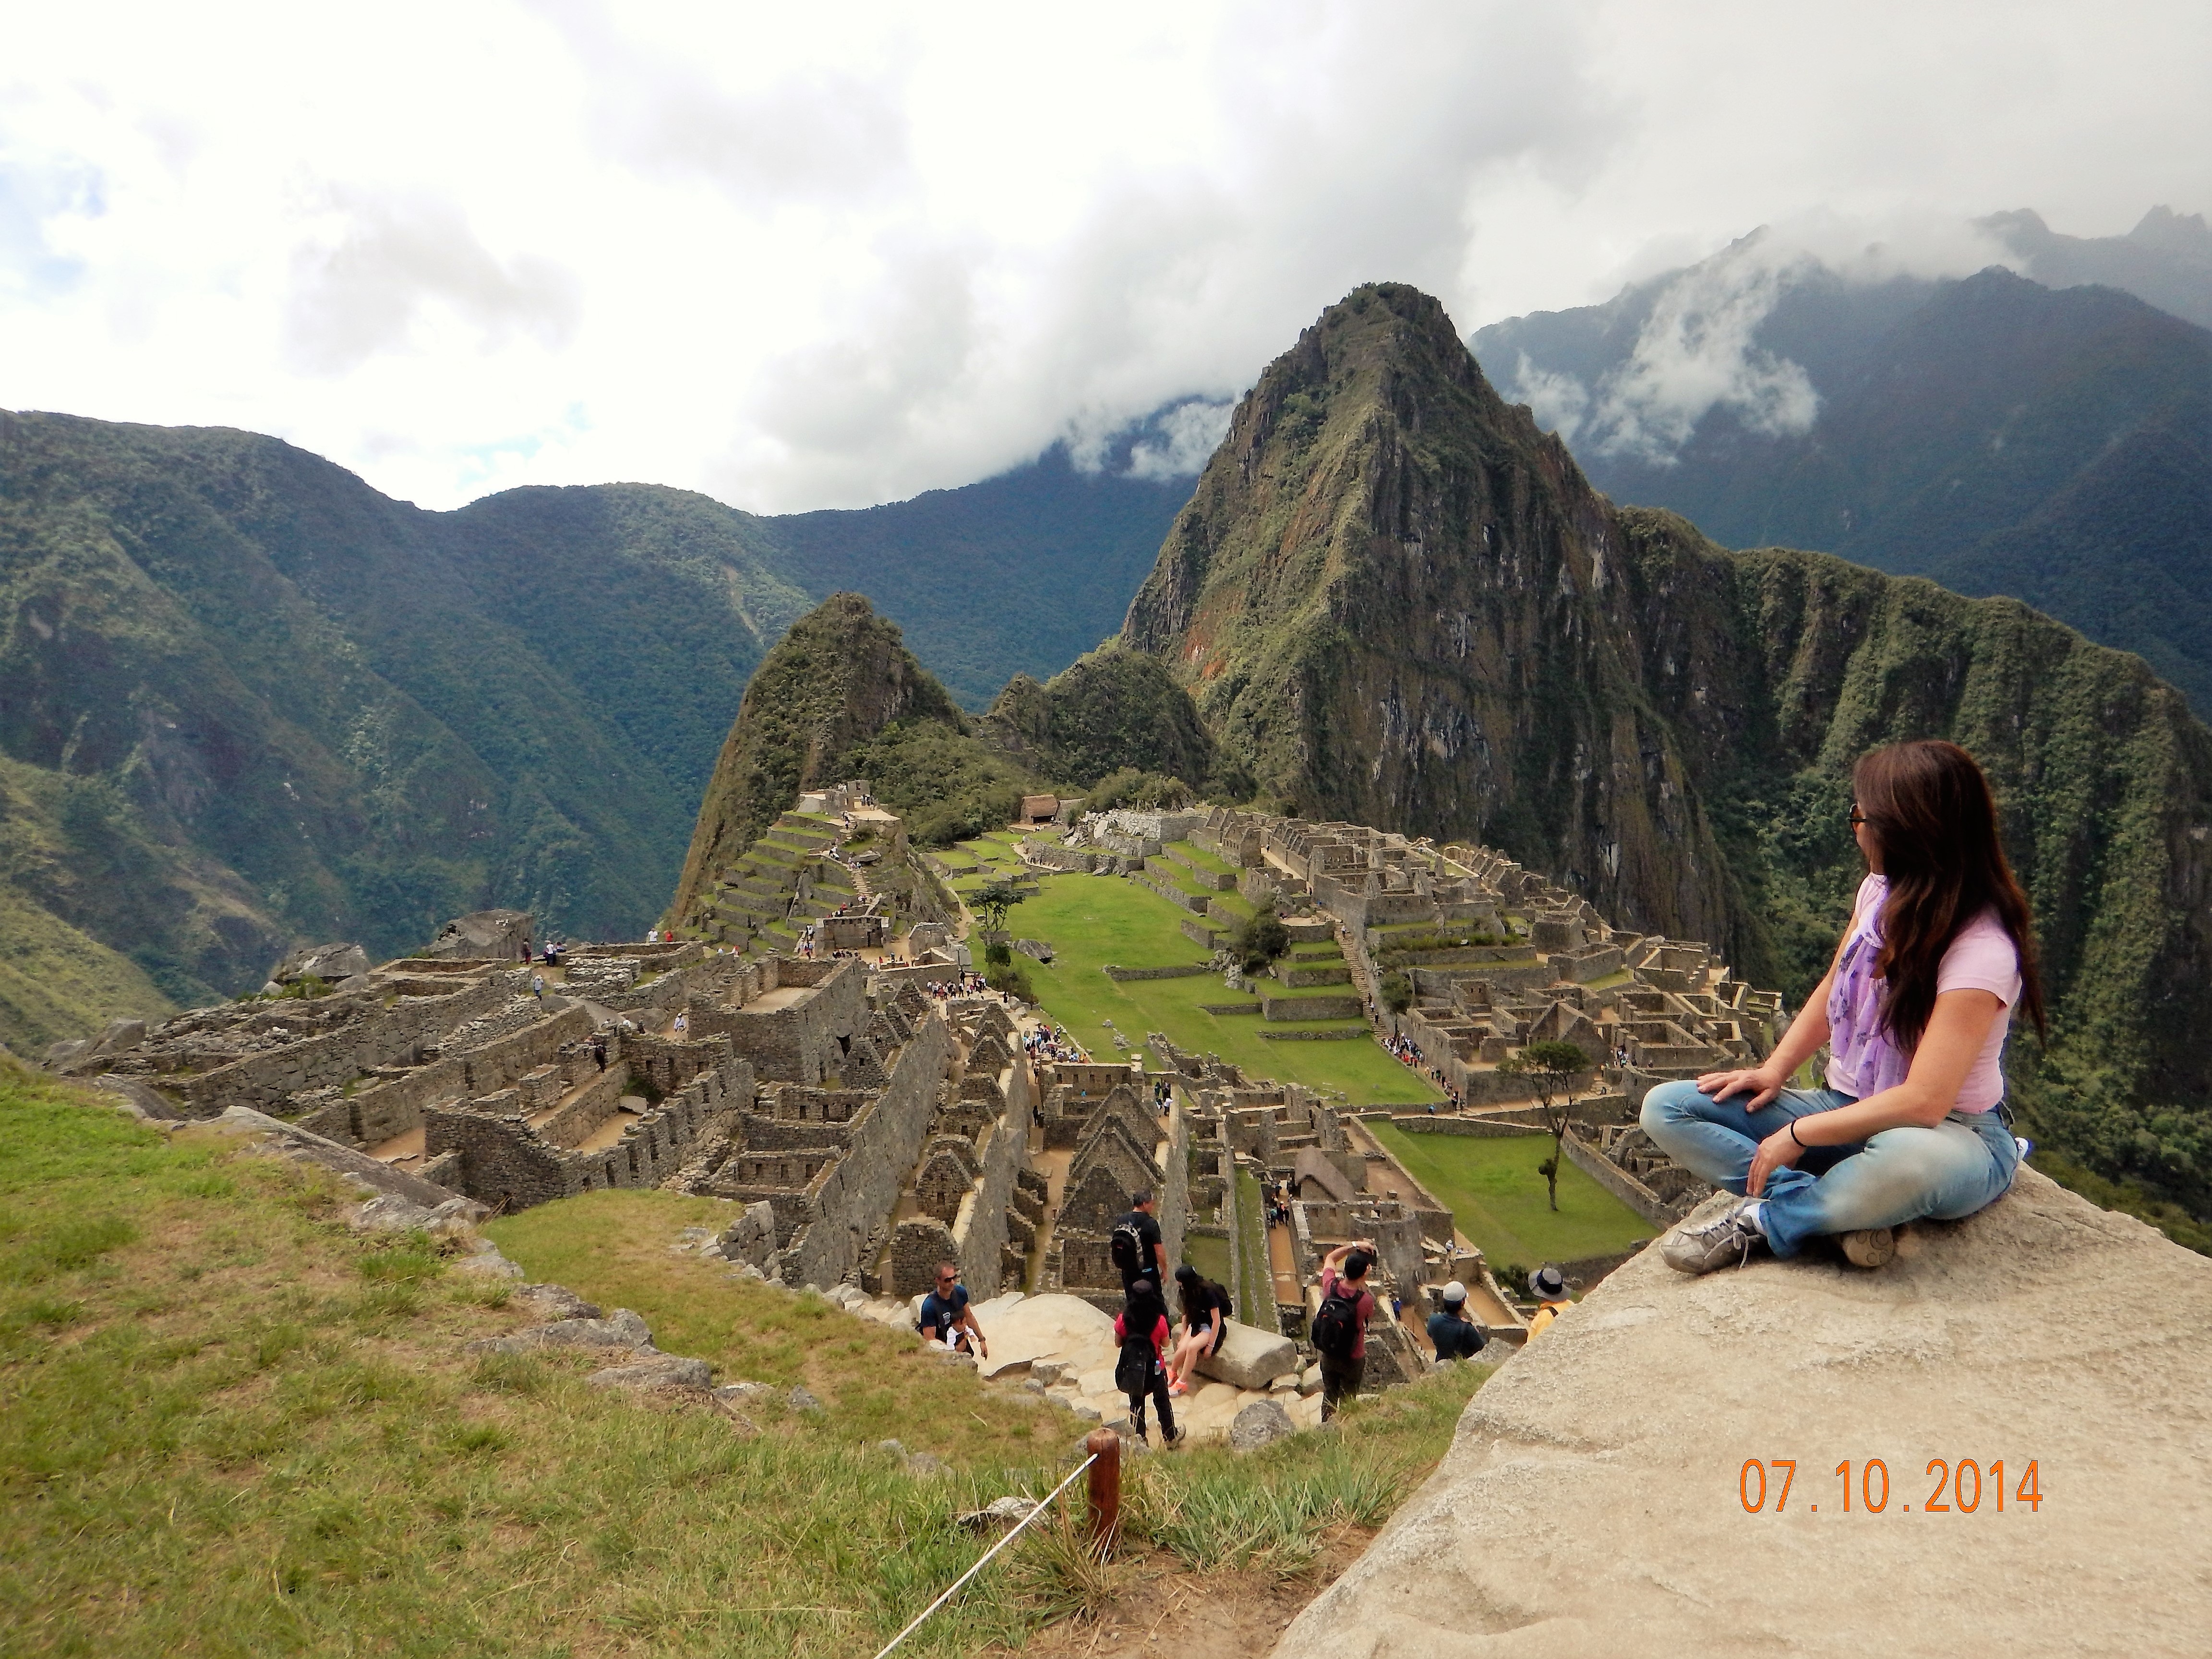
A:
(1589, 1501)
(327, 963)
(1259, 1424)
(621, 1329)
(1249, 1358)
(139, 1099)
(60, 1056)
(556, 1302)
(308, 1147)
(666, 1370)
(485, 1260)
(119, 1036)
(482, 936)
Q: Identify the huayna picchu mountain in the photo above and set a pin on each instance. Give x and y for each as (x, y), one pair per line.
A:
(1395, 601)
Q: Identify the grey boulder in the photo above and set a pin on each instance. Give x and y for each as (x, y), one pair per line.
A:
(623, 1329)
(1259, 1424)
(1249, 1358)
(327, 963)
(666, 1370)
(557, 1302)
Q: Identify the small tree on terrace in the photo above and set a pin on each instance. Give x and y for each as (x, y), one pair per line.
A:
(1552, 1069)
(990, 902)
(1260, 939)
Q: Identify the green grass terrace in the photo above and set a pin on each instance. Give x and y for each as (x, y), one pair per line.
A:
(1496, 1195)
(1092, 921)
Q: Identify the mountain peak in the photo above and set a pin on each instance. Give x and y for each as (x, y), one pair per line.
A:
(839, 677)
(1394, 600)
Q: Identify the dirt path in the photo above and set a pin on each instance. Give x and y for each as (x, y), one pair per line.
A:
(1282, 1258)
(1052, 1166)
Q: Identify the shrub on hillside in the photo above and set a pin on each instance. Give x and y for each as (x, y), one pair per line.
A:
(1397, 993)
(1146, 791)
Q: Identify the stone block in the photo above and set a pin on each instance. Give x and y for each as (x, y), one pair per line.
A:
(1249, 1358)
(666, 1370)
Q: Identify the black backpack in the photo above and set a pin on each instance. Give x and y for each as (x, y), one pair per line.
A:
(1128, 1248)
(1336, 1326)
(1133, 1371)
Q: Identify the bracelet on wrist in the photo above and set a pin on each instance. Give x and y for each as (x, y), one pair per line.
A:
(1794, 1136)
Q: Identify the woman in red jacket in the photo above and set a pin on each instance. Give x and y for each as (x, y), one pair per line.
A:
(1141, 1328)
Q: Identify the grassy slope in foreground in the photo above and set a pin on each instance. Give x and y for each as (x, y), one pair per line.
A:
(228, 1425)
(1092, 921)
(1499, 1198)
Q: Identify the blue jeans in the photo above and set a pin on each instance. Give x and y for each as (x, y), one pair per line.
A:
(1948, 1171)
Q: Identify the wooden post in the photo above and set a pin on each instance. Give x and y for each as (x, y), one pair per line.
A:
(1105, 1491)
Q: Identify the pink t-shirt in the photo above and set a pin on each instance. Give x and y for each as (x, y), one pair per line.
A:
(1982, 958)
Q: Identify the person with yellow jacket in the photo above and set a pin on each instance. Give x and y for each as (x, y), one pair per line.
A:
(1549, 1286)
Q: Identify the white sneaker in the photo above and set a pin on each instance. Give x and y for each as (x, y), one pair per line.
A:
(1726, 1241)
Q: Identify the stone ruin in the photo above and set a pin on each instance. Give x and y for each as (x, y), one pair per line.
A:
(1286, 1136)
(1120, 1147)
(1497, 958)
(865, 1122)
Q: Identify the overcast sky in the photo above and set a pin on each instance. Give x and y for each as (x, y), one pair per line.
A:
(809, 256)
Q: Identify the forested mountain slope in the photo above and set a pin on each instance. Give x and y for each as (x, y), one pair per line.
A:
(1995, 434)
(1396, 601)
(250, 701)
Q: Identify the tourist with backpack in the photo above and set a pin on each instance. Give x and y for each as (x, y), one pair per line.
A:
(1135, 1242)
(1206, 1310)
(1141, 1328)
(1339, 1328)
(1451, 1333)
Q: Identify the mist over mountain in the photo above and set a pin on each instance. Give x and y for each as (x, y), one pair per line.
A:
(2047, 436)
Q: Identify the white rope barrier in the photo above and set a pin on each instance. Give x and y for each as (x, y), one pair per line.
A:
(994, 1550)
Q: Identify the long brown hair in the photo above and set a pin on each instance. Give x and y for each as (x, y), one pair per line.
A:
(1930, 809)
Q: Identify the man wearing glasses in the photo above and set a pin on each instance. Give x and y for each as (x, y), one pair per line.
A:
(946, 1316)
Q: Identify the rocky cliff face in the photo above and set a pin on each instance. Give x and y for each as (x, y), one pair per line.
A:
(1111, 708)
(1394, 601)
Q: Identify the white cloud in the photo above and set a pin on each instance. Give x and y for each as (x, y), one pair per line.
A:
(1187, 435)
(801, 258)
(389, 260)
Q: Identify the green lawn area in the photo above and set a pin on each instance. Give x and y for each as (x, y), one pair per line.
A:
(234, 1425)
(1497, 1198)
(1092, 921)
(1210, 1256)
(1202, 858)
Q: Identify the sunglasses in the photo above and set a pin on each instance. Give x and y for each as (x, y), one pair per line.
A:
(1859, 818)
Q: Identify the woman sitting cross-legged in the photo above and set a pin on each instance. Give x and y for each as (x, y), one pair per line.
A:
(1205, 1323)
(1914, 1010)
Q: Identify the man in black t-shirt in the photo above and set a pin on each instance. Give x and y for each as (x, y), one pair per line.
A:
(946, 1316)
(1149, 1260)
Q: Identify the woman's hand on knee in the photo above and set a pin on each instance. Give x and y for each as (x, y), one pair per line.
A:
(1779, 1151)
(1760, 1084)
